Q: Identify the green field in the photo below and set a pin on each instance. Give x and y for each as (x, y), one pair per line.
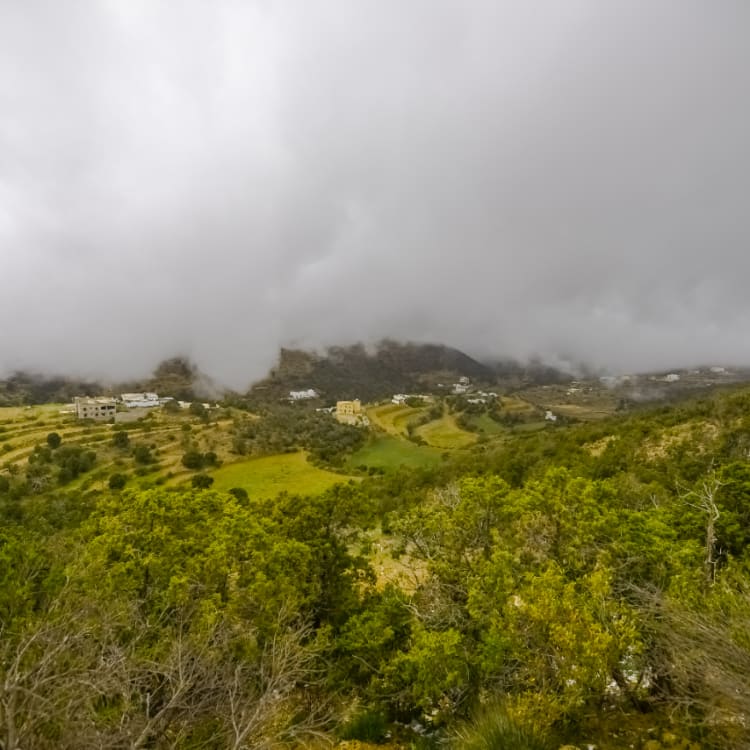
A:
(445, 433)
(488, 426)
(270, 475)
(389, 453)
(530, 426)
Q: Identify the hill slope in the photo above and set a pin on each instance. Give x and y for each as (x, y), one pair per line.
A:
(354, 372)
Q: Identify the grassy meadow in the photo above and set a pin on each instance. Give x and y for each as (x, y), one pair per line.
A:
(445, 433)
(269, 475)
(387, 453)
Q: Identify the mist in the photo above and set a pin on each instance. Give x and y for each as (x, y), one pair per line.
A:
(567, 180)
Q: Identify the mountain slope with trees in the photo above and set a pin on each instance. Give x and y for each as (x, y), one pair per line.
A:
(584, 584)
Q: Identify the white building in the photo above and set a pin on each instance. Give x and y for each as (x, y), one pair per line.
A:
(302, 395)
(550, 417)
(673, 377)
(140, 400)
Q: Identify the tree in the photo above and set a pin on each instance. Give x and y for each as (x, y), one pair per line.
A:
(198, 410)
(171, 407)
(117, 481)
(121, 440)
(703, 498)
(142, 454)
(202, 481)
(239, 492)
(193, 460)
(54, 440)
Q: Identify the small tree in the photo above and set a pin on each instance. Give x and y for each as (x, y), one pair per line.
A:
(704, 499)
(198, 410)
(121, 440)
(193, 460)
(54, 440)
(171, 407)
(240, 493)
(202, 481)
(117, 481)
(142, 454)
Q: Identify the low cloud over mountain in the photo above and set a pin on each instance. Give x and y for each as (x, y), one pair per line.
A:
(219, 179)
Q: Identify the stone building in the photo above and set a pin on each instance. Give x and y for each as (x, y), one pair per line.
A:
(349, 412)
(100, 408)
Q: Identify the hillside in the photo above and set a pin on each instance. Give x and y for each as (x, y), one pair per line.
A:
(345, 372)
(446, 578)
(176, 377)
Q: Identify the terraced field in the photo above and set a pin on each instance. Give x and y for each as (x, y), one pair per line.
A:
(167, 436)
(394, 418)
(445, 433)
(517, 406)
(585, 404)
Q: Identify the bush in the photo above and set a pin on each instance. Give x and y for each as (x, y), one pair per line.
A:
(171, 407)
(202, 481)
(495, 730)
(54, 440)
(192, 460)
(117, 481)
(121, 440)
(370, 726)
(198, 410)
(142, 454)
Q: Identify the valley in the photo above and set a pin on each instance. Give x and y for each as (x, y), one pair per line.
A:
(417, 561)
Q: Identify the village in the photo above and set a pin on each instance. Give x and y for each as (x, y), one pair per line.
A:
(127, 407)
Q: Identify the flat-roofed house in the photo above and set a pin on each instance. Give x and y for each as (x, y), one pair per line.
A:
(100, 408)
(349, 412)
(140, 400)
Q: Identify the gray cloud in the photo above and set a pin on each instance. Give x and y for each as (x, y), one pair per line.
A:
(565, 179)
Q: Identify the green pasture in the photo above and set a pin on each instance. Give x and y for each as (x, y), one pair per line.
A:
(445, 433)
(386, 452)
(270, 475)
(488, 426)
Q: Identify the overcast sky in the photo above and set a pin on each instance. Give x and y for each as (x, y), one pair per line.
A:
(219, 178)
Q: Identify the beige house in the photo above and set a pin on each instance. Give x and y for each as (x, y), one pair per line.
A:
(100, 408)
(349, 412)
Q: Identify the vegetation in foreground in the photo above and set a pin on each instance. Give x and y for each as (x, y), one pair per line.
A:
(583, 584)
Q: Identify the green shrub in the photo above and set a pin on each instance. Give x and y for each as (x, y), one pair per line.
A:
(369, 726)
(494, 730)
(121, 440)
(117, 481)
(202, 481)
